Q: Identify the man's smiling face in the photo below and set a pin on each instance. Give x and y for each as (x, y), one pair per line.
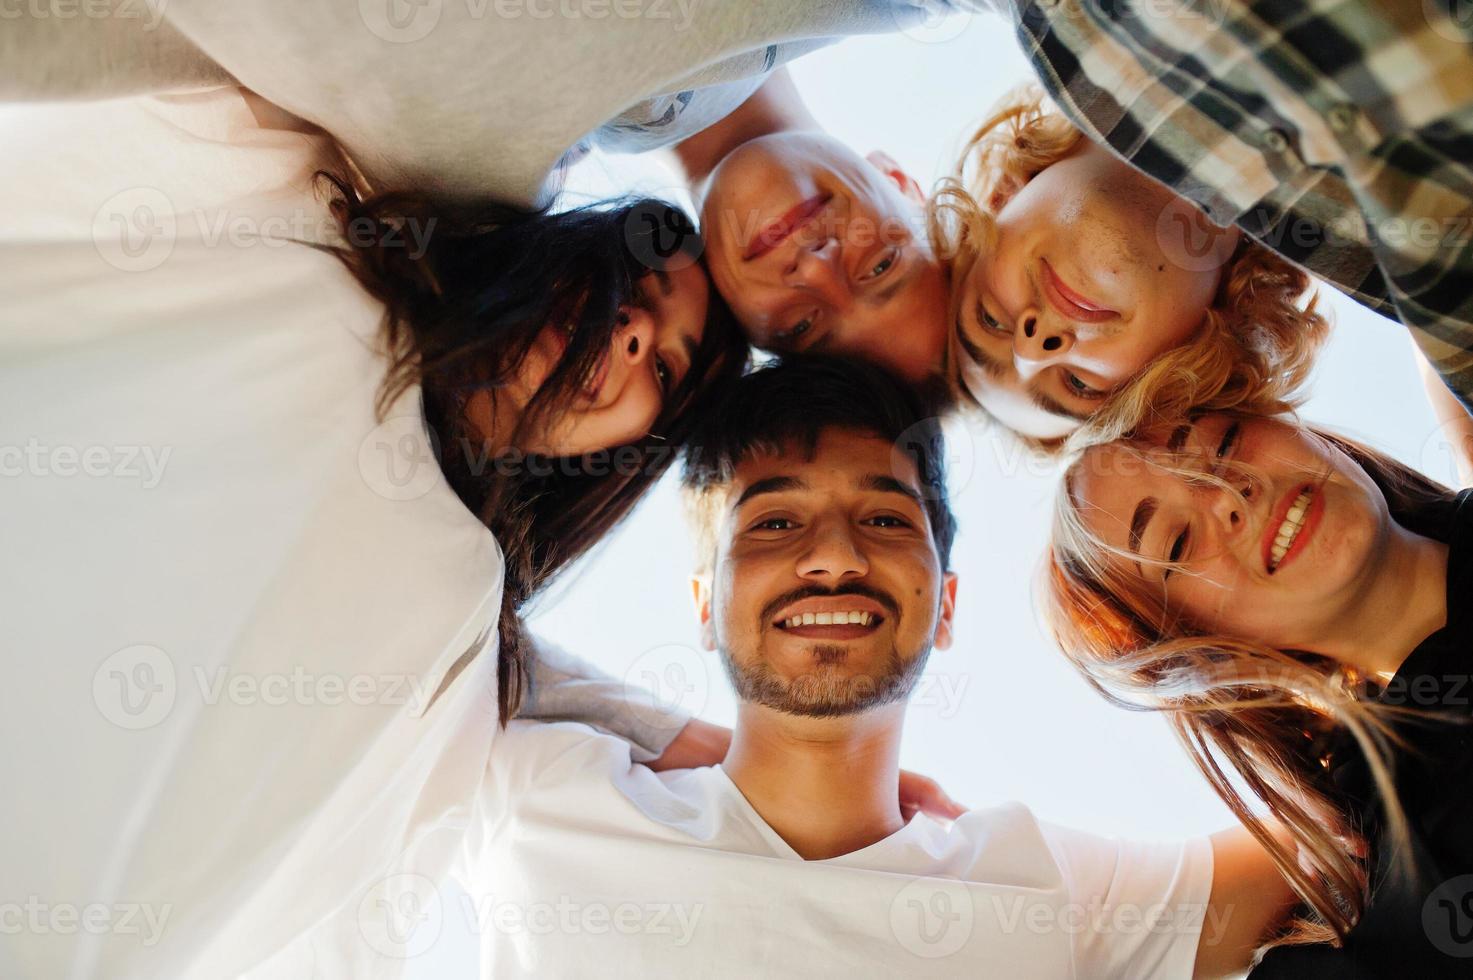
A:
(818, 249)
(827, 592)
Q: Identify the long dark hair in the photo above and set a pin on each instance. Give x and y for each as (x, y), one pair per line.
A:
(468, 288)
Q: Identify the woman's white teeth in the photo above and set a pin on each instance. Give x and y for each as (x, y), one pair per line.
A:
(853, 617)
(1289, 530)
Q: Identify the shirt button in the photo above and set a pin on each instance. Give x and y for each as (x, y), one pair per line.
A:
(1275, 141)
(1341, 117)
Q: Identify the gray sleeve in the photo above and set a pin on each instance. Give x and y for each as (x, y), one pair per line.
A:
(117, 49)
(478, 99)
(699, 100)
(566, 688)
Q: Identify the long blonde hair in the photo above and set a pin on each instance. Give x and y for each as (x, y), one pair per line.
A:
(1260, 337)
(1242, 708)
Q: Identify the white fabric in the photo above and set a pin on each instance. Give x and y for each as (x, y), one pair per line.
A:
(484, 97)
(223, 617)
(578, 863)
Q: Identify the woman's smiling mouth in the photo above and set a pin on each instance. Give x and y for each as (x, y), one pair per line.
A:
(1289, 531)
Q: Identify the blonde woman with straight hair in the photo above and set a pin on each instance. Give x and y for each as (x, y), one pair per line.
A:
(1084, 291)
(1297, 604)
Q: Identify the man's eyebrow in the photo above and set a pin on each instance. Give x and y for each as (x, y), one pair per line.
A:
(1054, 407)
(773, 484)
(984, 360)
(1179, 437)
(888, 291)
(999, 370)
(888, 484)
(1144, 511)
(692, 349)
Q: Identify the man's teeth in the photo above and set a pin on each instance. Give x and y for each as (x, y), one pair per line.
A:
(853, 617)
(1289, 530)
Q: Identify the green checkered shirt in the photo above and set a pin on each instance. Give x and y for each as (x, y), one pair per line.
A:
(1337, 132)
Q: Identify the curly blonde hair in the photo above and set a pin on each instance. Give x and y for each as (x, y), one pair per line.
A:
(1261, 333)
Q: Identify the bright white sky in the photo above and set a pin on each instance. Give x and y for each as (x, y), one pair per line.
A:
(1000, 716)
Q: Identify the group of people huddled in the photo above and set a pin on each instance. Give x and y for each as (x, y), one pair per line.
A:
(1090, 281)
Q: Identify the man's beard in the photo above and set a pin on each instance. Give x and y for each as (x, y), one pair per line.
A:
(826, 691)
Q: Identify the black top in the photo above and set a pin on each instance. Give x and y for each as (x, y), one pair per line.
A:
(1419, 923)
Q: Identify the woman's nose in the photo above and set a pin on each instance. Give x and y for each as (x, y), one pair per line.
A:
(635, 339)
(1232, 506)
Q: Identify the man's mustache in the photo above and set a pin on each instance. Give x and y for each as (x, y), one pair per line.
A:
(814, 592)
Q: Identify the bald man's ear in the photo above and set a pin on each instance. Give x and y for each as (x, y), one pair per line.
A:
(700, 587)
(886, 165)
(1003, 193)
(948, 612)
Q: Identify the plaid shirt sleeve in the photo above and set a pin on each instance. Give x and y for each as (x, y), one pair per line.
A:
(1337, 132)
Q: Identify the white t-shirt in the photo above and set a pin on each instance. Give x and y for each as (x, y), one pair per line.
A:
(229, 596)
(578, 863)
(249, 631)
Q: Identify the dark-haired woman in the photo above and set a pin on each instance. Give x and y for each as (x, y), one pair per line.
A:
(541, 341)
(272, 641)
(1300, 606)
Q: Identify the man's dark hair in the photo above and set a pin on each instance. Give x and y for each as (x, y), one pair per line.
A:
(790, 405)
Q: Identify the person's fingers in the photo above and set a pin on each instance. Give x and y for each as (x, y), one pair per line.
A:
(943, 807)
(950, 808)
(923, 793)
(914, 790)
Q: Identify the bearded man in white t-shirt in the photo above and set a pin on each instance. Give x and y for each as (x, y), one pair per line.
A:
(825, 535)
